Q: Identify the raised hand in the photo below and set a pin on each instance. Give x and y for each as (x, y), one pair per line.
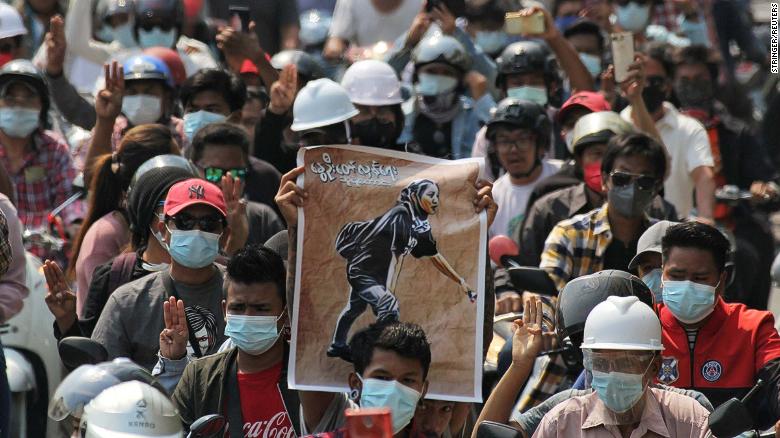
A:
(420, 25)
(508, 303)
(608, 85)
(527, 339)
(108, 103)
(441, 13)
(290, 196)
(283, 91)
(550, 30)
(174, 337)
(477, 83)
(233, 190)
(55, 46)
(238, 46)
(59, 298)
(484, 200)
(632, 87)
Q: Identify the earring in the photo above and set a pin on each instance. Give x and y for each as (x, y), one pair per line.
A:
(354, 394)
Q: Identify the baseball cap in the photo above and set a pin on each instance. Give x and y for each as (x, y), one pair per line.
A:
(193, 191)
(650, 241)
(583, 99)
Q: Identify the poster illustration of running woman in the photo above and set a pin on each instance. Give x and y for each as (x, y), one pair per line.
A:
(387, 235)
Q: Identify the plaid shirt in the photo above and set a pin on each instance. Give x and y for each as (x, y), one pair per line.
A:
(576, 246)
(5, 246)
(44, 180)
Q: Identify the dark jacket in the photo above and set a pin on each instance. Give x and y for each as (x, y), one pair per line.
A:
(269, 142)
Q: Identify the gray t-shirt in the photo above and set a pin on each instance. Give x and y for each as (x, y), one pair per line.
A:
(132, 320)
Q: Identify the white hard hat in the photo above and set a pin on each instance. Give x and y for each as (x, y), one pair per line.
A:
(622, 323)
(598, 127)
(131, 410)
(10, 22)
(320, 103)
(372, 83)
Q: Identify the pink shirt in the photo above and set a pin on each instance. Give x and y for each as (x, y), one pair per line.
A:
(104, 240)
(13, 286)
(667, 414)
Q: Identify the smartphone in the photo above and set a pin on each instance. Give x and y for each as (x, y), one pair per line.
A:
(239, 17)
(622, 53)
(516, 23)
(369, 423)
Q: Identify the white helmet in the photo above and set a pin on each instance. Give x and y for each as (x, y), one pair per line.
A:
(372, 83)
(622, 323)
(131, 410)
(320, 103)
(598, 127)
(10, 22)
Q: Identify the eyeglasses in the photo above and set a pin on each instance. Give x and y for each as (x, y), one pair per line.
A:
(209, 224)
(524, 144)
(643, 182)
(215, 174)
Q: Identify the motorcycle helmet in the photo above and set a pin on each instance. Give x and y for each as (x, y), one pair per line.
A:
(598, 127)
(521, 114)
(23, 70)
(443, 49)
(144, 67)
(525, 57)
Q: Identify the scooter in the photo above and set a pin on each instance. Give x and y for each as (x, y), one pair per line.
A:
(733, 418)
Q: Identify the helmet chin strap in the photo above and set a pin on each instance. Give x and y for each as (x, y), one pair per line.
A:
(537, 163)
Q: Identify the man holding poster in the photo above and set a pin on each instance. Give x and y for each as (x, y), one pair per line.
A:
(363, 211)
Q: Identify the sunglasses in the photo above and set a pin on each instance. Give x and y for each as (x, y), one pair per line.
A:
(209, 224)
(215, 174)
(643, 182)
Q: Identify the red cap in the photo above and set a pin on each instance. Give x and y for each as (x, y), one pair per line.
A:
(586, 99)
(249, 67)
(191, 192)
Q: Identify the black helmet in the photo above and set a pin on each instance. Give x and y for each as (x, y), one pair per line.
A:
(171, 11)
(24, 70)
(521, 114)
(105, 9)
(529, 57)
(581, 295)
(308, 67)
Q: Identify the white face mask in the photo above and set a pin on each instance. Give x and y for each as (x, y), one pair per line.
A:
(141, 109)
(433, 85)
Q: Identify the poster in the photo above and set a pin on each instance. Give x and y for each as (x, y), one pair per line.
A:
(388, 235)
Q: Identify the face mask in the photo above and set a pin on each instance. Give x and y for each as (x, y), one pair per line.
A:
(373, 132)
(633, 17)
(433, 85)
(491, 42)
(193, 249)
(156, 38)
(401, 400)
(123, 34)
(618, 391)
(154, 267)
(562, 23)
(252, 334)
(592, 174)
(18, 122)
(653, 97)
(653, 281)
(194, 121)
(592, 63)
(629, 201)
(534, 94)
(141, 109)
(694, 94)
(689, 302)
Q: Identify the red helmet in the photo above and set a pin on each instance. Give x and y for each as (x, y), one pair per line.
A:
(172, 60)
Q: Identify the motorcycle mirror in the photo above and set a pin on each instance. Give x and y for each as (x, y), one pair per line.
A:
(76, 351)
(490, 429)
(532, 280)
(207, 426)
(730, 419)
(502, 246)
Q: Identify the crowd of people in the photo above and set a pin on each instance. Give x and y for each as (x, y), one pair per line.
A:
(148, 159)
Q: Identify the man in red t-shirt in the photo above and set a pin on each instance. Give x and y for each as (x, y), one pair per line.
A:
(718, 348)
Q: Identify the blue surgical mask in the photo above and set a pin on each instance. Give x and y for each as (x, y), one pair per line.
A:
(633, 17)
(156, 38)
(534, 94)
(491, 42)
(252, 334)
(433, 85)
(653, 281)
(18, 122)
(198, 119)
(592, 63)
(401, 399)
(618, 391)
(689, 302)
(193, 249)
(123, 34)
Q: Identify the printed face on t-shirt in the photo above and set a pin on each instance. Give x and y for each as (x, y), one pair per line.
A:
(432, 418)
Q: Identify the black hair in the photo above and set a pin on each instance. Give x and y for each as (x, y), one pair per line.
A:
(662, 54)
(227, 84)
(697, 54)
(222, 134)
(697, 235)
(626, 145)
(406, 339)
(585, 27)
(257, 264)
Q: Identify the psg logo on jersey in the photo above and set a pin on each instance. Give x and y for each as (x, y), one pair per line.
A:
(668, 373)
(711, 371)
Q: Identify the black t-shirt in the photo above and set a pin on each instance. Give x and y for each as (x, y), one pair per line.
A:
(434, 139)
(618, 254)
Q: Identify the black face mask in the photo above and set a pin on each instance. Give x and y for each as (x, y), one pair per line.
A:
(374, 132)
(654, 96)
(694, 94)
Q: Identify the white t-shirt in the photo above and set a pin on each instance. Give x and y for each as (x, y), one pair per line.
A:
(358, 22)
(688, 146)
(512, 200)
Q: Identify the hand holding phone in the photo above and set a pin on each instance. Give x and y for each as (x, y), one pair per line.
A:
(239, 17)
(622, 53)
(522, 23)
